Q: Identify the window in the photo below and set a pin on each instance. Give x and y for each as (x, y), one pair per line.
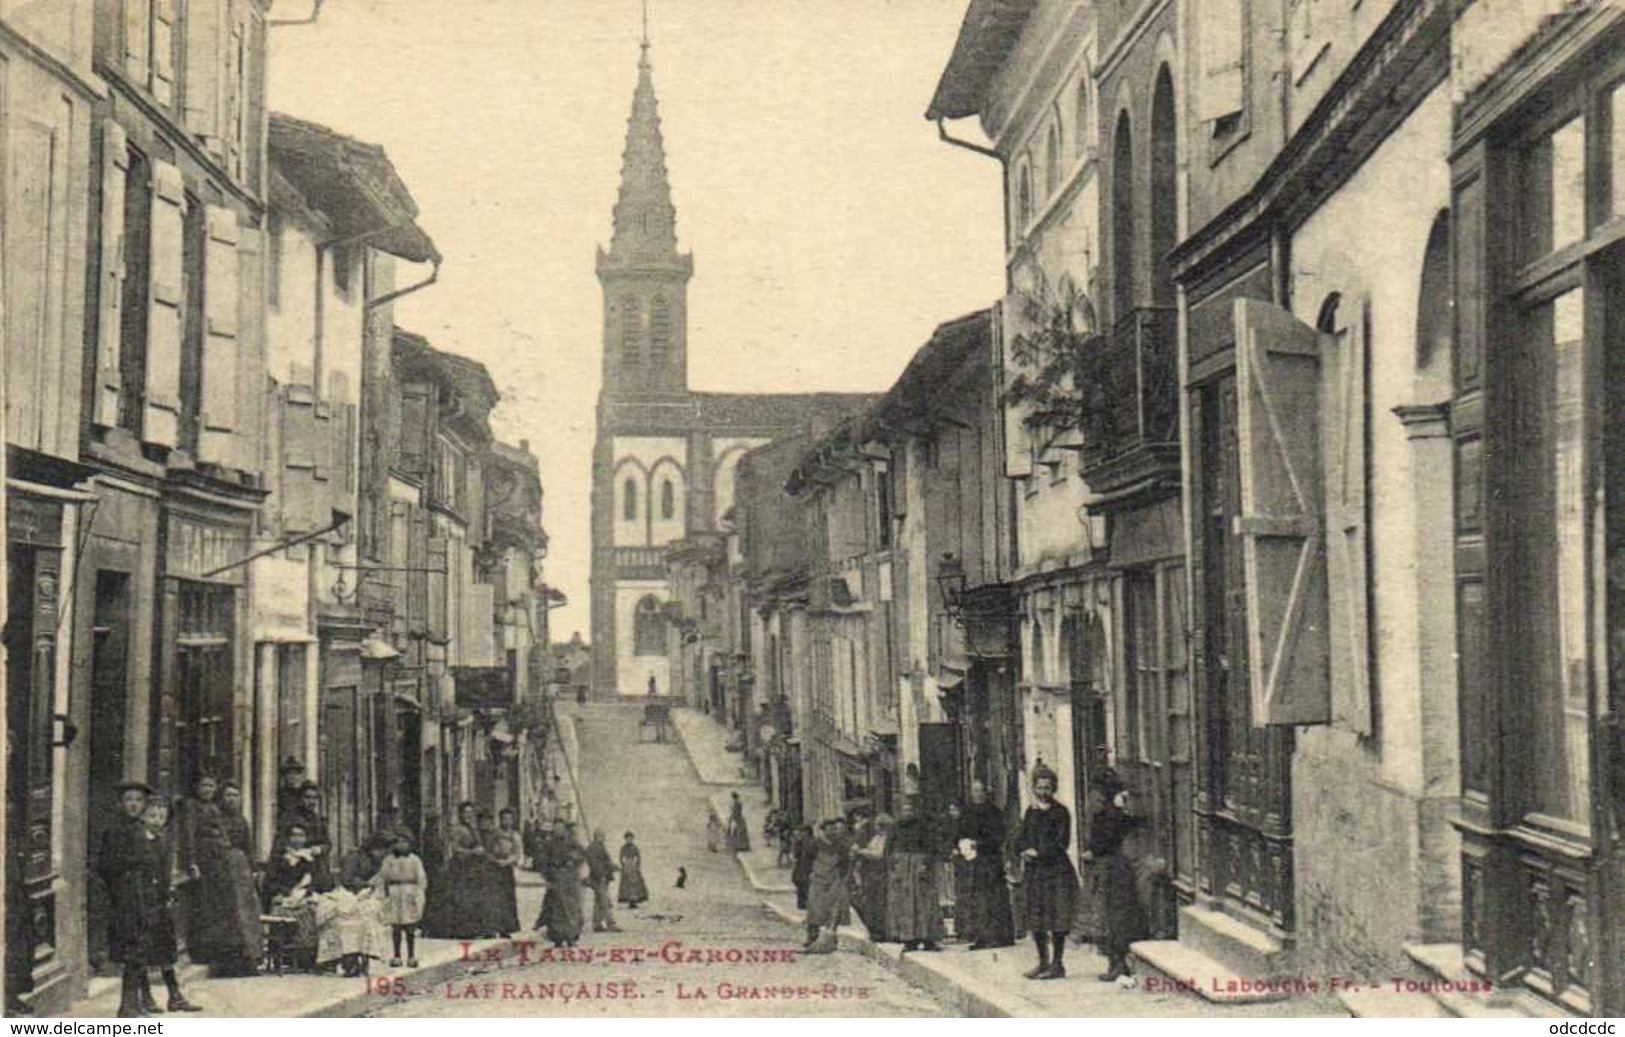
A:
(1082, 117)
(1052, 160)
(273, 258)
(648, 628)
(883, 506)
(137, 277)
(629, 500)
(660, 332)
(1024, 198)
(668, 499)
(1164, 188)
(1554, 191)
(1124, 294)
(193, 245)
(631, 330)
(1220, 93)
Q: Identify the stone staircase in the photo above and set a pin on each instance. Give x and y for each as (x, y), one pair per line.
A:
(1222, 959)
(1440, 986)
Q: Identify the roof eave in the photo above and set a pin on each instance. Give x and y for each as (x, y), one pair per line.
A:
(987, 37)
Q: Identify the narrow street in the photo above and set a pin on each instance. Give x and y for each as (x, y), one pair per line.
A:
(651, 789)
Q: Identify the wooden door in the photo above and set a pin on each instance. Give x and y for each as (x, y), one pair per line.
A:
(1244, 793)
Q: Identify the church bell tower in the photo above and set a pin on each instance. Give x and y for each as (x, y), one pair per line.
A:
(644, 277)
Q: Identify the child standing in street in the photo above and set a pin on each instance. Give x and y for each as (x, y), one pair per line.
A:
(403, 884)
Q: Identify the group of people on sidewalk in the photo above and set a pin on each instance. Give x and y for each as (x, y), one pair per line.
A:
(568, 867)
(891, 871)
(192, 879)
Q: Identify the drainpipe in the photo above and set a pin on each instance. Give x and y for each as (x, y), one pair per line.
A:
(315, 13)
(957, 142)
(434, 275)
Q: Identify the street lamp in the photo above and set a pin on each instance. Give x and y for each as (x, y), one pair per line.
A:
(951, 581)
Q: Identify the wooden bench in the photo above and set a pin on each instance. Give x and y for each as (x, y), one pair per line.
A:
(658, 716)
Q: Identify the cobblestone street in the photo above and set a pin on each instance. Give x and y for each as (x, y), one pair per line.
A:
(649, 968)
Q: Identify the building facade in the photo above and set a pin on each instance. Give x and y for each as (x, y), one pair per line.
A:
(664, 457)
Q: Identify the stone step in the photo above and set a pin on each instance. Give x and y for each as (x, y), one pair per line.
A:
(1445, 980)
(1173, 966)
(1243, 949)
(1385, 1003)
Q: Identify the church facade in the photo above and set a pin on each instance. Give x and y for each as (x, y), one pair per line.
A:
(665, 455)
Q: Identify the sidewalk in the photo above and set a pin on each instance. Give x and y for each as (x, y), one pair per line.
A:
(704, 740)
(296, 995)
(986, 983)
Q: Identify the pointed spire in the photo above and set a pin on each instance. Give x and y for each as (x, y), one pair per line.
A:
(645, 219)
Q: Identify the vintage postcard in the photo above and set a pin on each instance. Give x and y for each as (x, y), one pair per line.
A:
(708, 508)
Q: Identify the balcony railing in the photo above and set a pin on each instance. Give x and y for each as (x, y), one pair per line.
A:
(1130, 422)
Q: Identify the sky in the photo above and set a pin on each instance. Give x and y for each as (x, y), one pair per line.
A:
(831, 230)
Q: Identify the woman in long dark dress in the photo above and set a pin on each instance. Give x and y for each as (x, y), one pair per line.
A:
(1121, 914)
(225, 852)
(503, 848)
(986, 896)
(633, 890)
(1051, 886)
(563, 907)
(462, 914)
(869, 868)
(738, 830)
(913, 880)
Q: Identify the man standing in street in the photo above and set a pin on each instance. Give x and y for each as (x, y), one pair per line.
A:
(600, 873)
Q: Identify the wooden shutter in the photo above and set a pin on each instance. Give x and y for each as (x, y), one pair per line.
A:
(206, 70)
(220, 359)
(417, 427)
(440, 577)
(110, 305)
(1283, 557)
(138, 40)
(305, 449)
(1018, 447)
(1223, 43)
(163, 51)
(167, 270)
(1346, 413)
(250, 394)
(417, 583)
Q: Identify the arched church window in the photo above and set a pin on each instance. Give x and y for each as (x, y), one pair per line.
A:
(1081, 119)
(631, 330)
(660, 332)
(629, 500)
(648, 632)
(668, 499)
(1052, 159)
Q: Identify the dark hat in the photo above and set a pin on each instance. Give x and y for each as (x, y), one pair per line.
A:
(292, 764)
(1042, 771)
(141, 786)
(1109, 783)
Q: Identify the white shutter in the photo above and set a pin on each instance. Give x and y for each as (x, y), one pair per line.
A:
(163, 51)
(1283, 557)
(220, 362)
(1223, 47)
(250, 388)
(110, 308)
(163, 409)
(205, 68)
(1346, 415)
(138, 40)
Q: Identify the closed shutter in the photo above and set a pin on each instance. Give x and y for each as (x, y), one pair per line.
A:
(220, 359)
(417, 431)
(250, 393)
(440, 577)
(306, 451)
(110, 306)
(163, 51)
(138, 40)
(1283, 557)
(479, 648)
(1346, 413)
(1223, 49)
(417, 583)
(205, 69)
(162, 425)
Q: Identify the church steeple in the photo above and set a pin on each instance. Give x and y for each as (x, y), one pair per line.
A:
(645, 219)
(645, 278)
